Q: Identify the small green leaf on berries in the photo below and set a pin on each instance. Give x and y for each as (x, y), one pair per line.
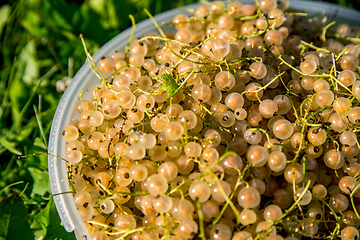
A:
(168, 84)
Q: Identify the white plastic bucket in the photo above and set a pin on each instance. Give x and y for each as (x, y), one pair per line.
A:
(85, 80)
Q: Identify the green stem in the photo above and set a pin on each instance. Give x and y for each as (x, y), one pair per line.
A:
(201, 221)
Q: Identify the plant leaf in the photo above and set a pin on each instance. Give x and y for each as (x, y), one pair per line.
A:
(50, 222)
(25, 131)
(60, 20)
(168, 84)
(33, 25)
(41, 181)
(39, 160)
(27, 60)
(18, 95)
(13, 220)
(4, 15)
(97, 6)
(9, 146)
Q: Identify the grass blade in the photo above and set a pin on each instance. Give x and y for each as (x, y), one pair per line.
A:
(10, 185)
(9, 146)
(19, 120)
(40, 126)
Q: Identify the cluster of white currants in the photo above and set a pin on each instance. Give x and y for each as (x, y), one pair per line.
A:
(241, 125)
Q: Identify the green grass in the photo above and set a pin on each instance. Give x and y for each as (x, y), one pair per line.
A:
(39, 43)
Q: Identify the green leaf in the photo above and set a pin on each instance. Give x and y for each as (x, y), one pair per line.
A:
(168, 84)
(107, 11)
(112, 17)
(21, 136)
(13, 220)
(90, 21)
(25, 131)
(33, 25)
(18, 96)
(37, 161)
(60, 20)
(9, 146)
(4, 15)
(97, 5)
(50, 222)
(41, 181)
(28, 62)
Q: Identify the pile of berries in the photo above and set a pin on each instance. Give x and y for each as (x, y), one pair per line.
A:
(243, 124)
